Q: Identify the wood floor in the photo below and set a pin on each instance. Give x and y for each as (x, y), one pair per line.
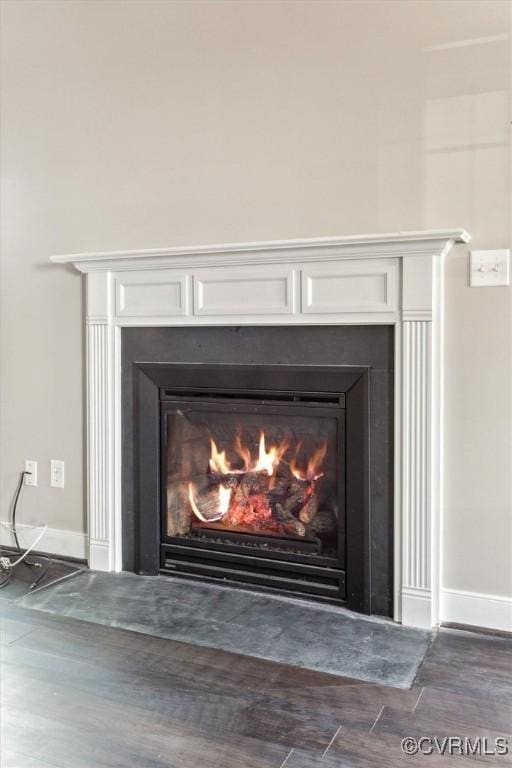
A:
(80, 695)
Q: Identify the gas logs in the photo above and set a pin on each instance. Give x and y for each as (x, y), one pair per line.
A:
(267, 496)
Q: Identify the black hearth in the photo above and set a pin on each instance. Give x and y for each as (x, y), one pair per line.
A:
(259, 474)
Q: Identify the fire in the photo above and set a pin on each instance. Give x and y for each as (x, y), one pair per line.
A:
(218, 461)
(267, 461)
(243, 452)
(259, 490)
(313, 467)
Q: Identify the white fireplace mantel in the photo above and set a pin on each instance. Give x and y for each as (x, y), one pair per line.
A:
(392, 279)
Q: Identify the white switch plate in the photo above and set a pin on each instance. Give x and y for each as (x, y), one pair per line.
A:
(56, 473)
(489, 268)
(31, 466)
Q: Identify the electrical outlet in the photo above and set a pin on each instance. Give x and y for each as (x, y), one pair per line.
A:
(31, 466)
(57, 473)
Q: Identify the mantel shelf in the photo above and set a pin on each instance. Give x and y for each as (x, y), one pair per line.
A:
(394, 244)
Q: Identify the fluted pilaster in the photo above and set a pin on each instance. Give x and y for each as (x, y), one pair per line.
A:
(98, 441)
(416, 445)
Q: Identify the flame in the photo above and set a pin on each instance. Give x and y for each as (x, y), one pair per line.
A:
(224, 497)
(314, 464)
(218, 461)
(268, 460)
(243, 452)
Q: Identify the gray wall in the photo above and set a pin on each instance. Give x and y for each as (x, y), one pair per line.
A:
(143, 124)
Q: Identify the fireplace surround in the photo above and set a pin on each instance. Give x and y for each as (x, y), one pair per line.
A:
(380, 280)
(303, 388)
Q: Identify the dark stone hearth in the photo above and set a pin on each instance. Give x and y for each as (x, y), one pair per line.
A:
(251, 624)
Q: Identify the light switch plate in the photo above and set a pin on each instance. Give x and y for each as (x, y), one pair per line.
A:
(489, 268)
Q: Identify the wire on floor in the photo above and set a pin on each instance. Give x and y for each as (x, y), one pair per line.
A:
(23, 553)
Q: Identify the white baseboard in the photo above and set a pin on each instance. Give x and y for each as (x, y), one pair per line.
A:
(416, 607)
(54, 541)
(476, 610)
(99, 556)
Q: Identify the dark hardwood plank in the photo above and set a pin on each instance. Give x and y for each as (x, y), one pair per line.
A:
(148, 702)
(81, 695)
(355, 749)
(475, 711)
(477, 664)
(77, 737)
(428, 722)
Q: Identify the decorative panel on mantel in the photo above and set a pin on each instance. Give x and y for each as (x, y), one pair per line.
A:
(241, 291)
(151, 294)
(356, 286)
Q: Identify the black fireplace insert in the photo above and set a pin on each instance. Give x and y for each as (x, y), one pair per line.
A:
(263, 476)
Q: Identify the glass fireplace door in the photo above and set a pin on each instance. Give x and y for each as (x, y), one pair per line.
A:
(265, 476)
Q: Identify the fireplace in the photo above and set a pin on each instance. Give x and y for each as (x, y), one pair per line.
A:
(141, 305)
(273, 469)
